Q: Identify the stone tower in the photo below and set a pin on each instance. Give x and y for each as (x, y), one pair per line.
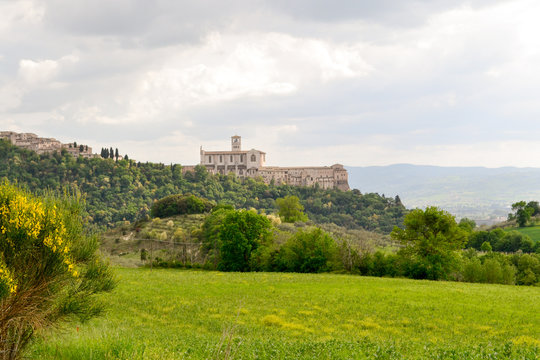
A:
(236, 143)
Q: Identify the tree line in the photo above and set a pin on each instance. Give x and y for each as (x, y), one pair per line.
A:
(432, 246)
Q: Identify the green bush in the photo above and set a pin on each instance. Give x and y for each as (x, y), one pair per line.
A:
(180, 205)
(309, 251)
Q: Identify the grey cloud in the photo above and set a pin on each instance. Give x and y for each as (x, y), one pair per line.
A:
(142, 23)
(136, 23)
(388, 12)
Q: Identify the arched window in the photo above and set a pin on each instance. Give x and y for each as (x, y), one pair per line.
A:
(231, 159)
(210, 158)
(253, 158)
(220, 158)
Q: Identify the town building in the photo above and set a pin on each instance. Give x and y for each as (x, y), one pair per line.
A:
(45, 145)
(251, 163)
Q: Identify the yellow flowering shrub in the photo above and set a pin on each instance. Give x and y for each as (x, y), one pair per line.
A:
(27, 222)
(49, 266)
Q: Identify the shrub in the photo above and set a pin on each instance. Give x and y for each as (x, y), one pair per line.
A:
(309, 251)
(180, 205)
(49, 267)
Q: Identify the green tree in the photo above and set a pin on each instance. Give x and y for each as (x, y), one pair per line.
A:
(290, 210)
(535, 206)
(467, 224)
(522, 213)
(241, 233)
(486, 246)
(309, 251)
(431, 238)
(49, 267)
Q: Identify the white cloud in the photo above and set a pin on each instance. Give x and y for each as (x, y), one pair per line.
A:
(40, 71)
(37, 71)
(20, 12)
(229, 67)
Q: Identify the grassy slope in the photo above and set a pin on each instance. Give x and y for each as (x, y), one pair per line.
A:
(532, 231)
(171, 314)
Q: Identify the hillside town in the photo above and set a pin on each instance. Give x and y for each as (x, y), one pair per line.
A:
(242, 163)
(41, 145)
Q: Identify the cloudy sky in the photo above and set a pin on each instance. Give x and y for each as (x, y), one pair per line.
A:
(311, 82)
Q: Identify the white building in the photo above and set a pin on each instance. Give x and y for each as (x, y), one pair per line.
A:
(251, 163)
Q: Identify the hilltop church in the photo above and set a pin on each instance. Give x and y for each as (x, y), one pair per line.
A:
(251, 163)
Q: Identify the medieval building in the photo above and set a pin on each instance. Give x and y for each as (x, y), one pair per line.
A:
(251, 163)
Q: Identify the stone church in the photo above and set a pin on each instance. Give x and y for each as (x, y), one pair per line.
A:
(251, 163)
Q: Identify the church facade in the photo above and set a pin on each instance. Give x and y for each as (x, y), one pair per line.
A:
(251, 163)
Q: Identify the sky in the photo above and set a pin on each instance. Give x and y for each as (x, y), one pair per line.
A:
(310, 82)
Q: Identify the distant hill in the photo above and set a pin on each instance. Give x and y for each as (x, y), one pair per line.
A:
(475, 192)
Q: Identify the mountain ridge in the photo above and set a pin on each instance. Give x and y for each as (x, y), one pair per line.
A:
(477, 192)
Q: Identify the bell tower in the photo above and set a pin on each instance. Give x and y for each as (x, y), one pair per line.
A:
(236, 143)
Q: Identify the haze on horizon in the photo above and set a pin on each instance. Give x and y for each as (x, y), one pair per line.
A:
(310, 82)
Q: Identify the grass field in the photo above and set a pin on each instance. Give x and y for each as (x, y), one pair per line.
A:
(532, 231)
(175, 314)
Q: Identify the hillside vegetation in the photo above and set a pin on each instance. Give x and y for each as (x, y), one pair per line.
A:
(240, 240)
(171, 314)
(125, 190)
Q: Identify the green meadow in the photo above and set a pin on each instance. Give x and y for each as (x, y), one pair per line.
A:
(532, 231)
(179, 314)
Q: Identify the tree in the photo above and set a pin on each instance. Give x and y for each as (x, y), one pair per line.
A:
(522, 213)
(486, 246)
(65, 272)
(241, 233)
(467, 224)
(290, 209)
(309, 251)
(81, 148)
(111, 153)
(431, 238)
(535, 206)
(116, 155)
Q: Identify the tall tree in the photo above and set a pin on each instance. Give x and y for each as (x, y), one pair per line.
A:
(431, 238)
(241, 233)
(522, 213)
